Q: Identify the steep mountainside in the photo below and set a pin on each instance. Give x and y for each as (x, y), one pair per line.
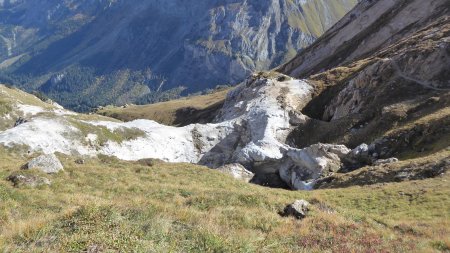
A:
(367, 29)
(100, 52)
(394, 95)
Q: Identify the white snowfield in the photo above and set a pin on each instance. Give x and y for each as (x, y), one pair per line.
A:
(251, 130)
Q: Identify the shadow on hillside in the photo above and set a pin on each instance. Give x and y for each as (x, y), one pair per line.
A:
(189, 115)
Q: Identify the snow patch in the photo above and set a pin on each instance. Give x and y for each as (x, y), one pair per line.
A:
(44, 135)
(30, 110)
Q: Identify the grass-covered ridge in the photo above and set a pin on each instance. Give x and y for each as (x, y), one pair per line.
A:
(120, 206)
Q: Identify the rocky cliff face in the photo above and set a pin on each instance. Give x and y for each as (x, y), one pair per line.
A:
(138, 48)
(370, 27)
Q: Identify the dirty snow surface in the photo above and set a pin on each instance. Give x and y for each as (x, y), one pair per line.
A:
(251, 130)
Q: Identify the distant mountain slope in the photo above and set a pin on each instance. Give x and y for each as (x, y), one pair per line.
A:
(100, 52)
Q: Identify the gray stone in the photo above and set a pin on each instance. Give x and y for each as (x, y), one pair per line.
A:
(359, 156)
(20, 121)
(237, 171)
(299, 209)
(80, 161)
(386, 161)
(360, 151)
(46, 163)
(21, 180)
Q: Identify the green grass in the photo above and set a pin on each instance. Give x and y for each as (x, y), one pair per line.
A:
(121, 206)
(5, 108)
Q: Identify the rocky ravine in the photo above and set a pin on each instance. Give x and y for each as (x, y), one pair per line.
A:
(251, 130)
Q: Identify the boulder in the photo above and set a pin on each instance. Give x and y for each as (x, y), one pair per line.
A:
(385, 161)
(24, 180)
(80, 161)
(299, 209)
(150, 162)
(49, 164)
(359, 155)
(237, 171)
(20, 121)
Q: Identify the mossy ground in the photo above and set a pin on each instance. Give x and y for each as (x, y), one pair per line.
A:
(116, 206)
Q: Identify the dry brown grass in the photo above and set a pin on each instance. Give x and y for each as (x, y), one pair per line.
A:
(122, 206)
(175, 112)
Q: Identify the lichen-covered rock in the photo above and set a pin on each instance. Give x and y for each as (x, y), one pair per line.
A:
(49, 164)
(25, 180)
(237, 171)
(299, 209)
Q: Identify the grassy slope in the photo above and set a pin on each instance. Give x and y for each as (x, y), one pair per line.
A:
(10, 97)
(123, 207)
(171, 112)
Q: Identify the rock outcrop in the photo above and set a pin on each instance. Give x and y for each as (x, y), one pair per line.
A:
(371, 87)
(302, 168)
(237, 171)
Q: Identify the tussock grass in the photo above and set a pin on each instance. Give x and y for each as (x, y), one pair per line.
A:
(118, 206)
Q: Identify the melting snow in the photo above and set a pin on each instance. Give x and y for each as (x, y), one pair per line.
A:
(30, 110)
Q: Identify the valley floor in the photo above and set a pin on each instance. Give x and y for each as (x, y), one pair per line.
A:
(107, 205)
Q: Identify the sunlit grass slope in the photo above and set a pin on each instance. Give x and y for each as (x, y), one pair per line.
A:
(115, 206)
